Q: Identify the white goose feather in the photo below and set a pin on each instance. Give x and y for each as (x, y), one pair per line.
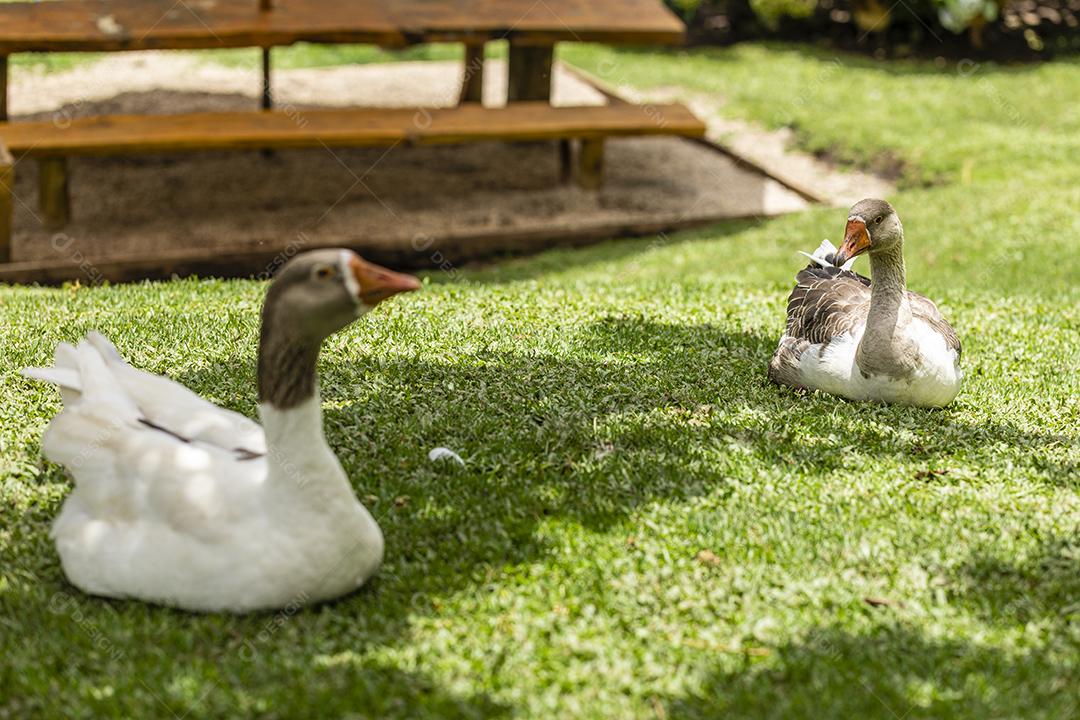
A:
(177, 501)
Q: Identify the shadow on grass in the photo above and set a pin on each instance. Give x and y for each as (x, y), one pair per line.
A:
(645, 411)
(347, 686)
(714, 365)
(1042, 585)
(893, 672)
(650, 411)
(515, 268)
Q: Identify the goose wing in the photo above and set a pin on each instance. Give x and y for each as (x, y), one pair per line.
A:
(827, 302)
(163, 404)
(128, 471)
(924, 309)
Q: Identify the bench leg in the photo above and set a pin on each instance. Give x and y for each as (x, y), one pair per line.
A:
(566, 161)
(267, 92)
(3, 88)
(472, 84)
(591, 164)
(529, 73)
(7, 202)
(53, 192)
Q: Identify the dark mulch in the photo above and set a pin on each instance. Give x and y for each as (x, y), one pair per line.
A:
(1025, 30)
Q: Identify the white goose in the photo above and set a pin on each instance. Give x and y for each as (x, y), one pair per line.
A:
(183, 503)
(861, 340)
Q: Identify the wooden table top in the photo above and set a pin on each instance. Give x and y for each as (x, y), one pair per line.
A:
(111, 25)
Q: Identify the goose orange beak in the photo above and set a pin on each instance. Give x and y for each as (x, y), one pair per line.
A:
(856, 240)
(376, 283)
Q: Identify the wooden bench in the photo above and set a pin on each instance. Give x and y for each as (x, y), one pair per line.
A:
(122, 134)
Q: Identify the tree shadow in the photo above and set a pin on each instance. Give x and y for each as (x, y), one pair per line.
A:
(121, 658)
(512, 267)
(645, 411)
(1042, 584)
(728, 366)
(349, 686)
(890, 672)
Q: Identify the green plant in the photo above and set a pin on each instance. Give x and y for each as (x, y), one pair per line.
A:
(771, 12)
(958, 15)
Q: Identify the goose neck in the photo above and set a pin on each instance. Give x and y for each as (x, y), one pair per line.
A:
(888, 273)
(291, 411)
(294, 431)
(887, 292)
(286, 365)
(884, 348)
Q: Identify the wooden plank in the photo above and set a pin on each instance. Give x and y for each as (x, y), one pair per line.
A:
(472, 80)
(246, 262)
(53, 194)
(541, 23)
(7, 201)
(529, 73)
(114, 134)
(591, 163)
(112, 25)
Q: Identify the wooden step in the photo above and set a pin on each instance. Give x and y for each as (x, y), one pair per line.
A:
(226, 261)
(119, 134)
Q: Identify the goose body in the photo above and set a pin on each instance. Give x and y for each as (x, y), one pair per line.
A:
(180, 502)
(849, 337)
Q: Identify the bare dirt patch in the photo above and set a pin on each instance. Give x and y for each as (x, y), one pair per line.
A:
(416, 200)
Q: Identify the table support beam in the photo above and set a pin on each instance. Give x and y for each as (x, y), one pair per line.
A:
(3, 88)
(7, 202)
(529, 78)
(566, 161)
(53, 194)
(267, 90)
(529, 73)
(472, 83)
(591, 163)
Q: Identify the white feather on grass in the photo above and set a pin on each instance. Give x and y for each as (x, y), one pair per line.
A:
(441, 453)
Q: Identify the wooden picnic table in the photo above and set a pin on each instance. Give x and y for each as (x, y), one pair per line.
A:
(531, 26)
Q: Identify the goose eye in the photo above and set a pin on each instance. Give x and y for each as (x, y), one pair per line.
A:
(324, 272)
(878, 219)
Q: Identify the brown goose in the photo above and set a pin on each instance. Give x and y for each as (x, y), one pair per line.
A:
(867, 340)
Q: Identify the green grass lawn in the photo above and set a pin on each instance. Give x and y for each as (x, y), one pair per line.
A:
(645, 527)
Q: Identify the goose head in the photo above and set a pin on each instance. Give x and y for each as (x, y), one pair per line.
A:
(312, 297)
(872, 227)
(320, 292)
